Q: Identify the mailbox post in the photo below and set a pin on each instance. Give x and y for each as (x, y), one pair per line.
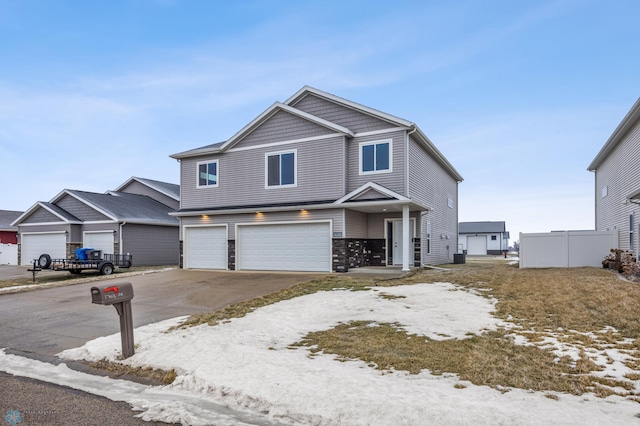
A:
(119, 295)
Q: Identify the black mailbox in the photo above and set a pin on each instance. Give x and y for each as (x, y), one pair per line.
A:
(111, 293)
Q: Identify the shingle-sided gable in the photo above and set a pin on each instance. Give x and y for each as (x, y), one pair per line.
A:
(79, 209)
(283, 126)
(350, 118)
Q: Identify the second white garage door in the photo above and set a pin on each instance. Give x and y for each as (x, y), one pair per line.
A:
(477, 245)
(99, 241)
(205, 247)
(287, 247)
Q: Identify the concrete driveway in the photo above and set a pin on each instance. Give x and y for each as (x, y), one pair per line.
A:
(51, 320)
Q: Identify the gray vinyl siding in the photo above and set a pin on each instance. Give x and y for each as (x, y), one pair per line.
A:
(283, 126)
(353, 120)
(79, 209)
(356, 224)
(320, 176)
(376, 223)
(151, 245)
(395, 180)
(620, 173)
(136, 187)
(371, 195)
(41, 216)
(335, 215)
(431, 185)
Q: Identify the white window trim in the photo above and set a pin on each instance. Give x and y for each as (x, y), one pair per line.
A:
(375, 172)
(295, 169)
(428, 236)
(217, 173)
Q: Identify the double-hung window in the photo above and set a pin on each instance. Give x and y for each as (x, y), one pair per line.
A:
(208, 174)
(281, 169)
(375, 157)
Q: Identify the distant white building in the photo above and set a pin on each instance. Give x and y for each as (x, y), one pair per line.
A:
(482, 238)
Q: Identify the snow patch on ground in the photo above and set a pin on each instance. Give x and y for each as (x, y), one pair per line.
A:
(247, 365)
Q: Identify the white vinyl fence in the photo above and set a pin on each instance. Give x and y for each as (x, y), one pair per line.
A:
(8, 254)
(566, 249)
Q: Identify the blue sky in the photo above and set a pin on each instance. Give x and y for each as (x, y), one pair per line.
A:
(519, 95)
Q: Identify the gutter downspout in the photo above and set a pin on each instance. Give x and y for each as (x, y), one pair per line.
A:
(121, 239)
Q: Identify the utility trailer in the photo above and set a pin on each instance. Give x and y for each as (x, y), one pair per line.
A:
(87, 260)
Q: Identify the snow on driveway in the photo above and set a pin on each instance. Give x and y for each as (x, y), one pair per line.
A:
(246, 364)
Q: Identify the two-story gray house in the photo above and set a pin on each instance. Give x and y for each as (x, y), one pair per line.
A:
(318, 183)
(617, 182)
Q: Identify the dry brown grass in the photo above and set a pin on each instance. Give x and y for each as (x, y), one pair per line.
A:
(582, 307)
(116, 369)
(580, 299)
(490, 360)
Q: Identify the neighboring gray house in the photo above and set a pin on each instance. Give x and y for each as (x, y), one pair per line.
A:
(483, 238)
(133, 220)
(318, 183)
(617, 182)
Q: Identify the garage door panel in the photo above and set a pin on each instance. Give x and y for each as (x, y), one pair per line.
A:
(206, 247)
(99, 241)
(32, 246)
(477, 245)
(285, 247)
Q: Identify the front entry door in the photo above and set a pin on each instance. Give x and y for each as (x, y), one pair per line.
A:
(395, 241)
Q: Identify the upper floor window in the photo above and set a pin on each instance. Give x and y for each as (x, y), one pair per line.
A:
(281, 169)
(375, 157)
(208, 174)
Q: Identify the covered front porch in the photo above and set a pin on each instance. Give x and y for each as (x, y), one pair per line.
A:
(382, 228)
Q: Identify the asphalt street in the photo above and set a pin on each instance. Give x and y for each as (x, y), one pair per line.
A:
(48, 321)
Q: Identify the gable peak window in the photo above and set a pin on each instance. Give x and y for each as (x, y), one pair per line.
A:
(375, 157)
(208, 174)
(281, 169)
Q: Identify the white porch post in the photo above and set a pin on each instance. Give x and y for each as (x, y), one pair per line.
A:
(406, 239)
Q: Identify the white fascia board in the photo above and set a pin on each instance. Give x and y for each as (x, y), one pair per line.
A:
(372, 185)
(349, 104)
(277, 106)
(627, 122)
(431, 148)
(93, 206)
(39, 204)
(254, 210)
(143, 182)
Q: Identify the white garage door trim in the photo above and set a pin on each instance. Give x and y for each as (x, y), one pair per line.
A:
(33, 244)
(205, 247)
(284, 246)
(477, 245)
(99, 240)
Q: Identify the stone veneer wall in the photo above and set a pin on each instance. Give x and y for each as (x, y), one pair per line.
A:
(231, 254)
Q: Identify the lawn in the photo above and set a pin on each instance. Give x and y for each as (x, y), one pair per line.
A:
(564, 330)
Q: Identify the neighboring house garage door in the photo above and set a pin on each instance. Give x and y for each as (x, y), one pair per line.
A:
(33, 245)
(99, 241)
(205, 247)
(477, 245)
(288, 247)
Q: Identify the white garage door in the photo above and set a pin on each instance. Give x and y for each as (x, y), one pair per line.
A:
(33, 245)
(205, 247)
(290, 247)
(477, 245)
(99, 241)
